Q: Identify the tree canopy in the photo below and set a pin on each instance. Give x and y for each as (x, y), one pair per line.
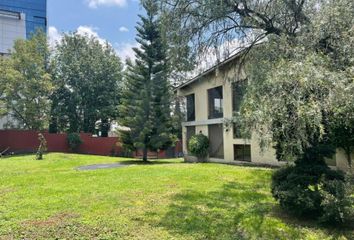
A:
(88, 76)
(25, 83)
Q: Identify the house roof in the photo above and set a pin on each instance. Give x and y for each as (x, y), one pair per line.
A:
(210, 70)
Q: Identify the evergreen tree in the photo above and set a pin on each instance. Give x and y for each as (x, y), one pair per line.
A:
(145, 107)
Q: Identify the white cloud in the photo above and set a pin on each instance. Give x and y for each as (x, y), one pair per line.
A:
(54, 36)
(97, 3)
(125, 50)
(91, 32)
(123, 29)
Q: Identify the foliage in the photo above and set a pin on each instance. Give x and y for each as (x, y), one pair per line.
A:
(337, 201)
(309, 81)
(145, 107)
(311, 189)
(26, 83)
(298, 115)
(42, 146)
(88, 78)
(74, 141)
(198, 145)
(230, 25)
(195, 201)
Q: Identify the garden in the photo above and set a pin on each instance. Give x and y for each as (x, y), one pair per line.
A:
(297, 57)
(165, 199)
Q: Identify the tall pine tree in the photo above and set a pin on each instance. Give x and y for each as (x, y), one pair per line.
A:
(145, 107)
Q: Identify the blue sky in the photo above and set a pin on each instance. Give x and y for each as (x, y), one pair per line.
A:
(112, 20)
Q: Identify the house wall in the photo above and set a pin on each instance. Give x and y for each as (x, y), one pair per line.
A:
(224, 77)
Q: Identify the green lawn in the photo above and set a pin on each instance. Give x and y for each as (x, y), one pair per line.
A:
(49, 199)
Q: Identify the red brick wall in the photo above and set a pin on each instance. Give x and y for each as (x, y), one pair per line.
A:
(27, 141)
(20, 141)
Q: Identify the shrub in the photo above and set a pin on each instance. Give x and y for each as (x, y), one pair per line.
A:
(337, 201)
(313, 190)
(74, 141)
(199, 146)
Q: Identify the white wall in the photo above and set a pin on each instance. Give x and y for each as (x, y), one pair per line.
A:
(11, 28)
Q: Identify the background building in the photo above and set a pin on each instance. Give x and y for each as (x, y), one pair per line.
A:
(20, 19)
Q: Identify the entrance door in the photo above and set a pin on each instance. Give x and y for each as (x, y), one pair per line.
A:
(216, 141)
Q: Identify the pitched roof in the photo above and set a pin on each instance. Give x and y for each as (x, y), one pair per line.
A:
(210, 70)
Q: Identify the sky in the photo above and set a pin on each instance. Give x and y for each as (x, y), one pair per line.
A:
(111, 20)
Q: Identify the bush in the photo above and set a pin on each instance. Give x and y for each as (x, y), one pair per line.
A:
(313, 190)
(199, 146)
(74, 141)
(337, 201)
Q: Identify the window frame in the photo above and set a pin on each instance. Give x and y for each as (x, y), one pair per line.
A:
(244, 159)
(212, 113)
(190, 117)
(244, 83)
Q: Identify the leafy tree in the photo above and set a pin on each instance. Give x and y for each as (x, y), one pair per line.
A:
(298, 51)
(88, 76)
(145, 108)
(309, 81)
(204, 25)
(26, 83)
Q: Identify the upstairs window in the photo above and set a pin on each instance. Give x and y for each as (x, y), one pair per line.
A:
(215, 99)
(238, 92)
(190, 107)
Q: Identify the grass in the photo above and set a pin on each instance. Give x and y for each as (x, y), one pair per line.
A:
(49, 199)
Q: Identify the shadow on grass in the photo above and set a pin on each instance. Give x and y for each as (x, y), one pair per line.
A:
(150, 162)
(237, 211)
(336, 231)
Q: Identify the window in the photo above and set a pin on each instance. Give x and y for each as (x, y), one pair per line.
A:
(238, 92)
(215, 99)
(190, 107)
(9, 14)
(242, 153)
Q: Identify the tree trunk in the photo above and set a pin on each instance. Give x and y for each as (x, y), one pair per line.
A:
(145, 151)
(105, 126)
(348, 151)
(53, 125)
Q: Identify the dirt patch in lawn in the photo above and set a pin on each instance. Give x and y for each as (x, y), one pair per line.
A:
(61, 226)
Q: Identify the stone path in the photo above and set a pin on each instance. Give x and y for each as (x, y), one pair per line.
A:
(101, 166)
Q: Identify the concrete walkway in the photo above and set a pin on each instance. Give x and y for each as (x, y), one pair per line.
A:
(101, 166)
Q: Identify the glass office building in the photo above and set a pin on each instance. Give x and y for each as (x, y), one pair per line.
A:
(20, 19)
